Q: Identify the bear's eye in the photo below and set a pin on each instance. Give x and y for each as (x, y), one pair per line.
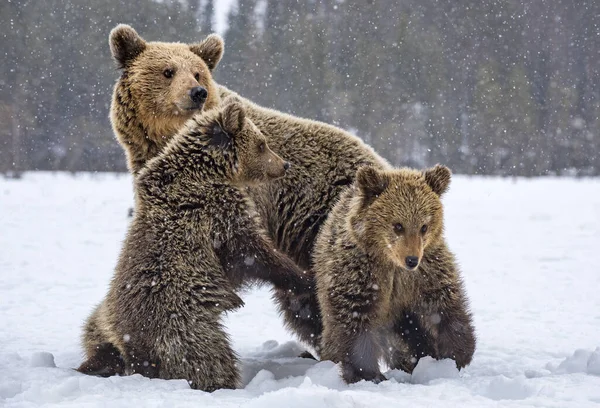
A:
(424, 229)
(168, 73)
(398, 228)
(197, 76)
(262, 146)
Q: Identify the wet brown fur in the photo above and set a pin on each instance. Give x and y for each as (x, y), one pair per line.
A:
(147, 108)
(195, 240)
(324, 162)
(374, 305)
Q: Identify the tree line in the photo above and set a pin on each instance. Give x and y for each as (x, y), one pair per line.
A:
(499, 87)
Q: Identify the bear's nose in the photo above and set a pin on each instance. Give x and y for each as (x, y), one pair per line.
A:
(198, 94)
(287, 165)
(412, 261)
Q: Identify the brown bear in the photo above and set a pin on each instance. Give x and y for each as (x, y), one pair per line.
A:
(162, 85)
(194, 241)
(324, 158)
(387, 284)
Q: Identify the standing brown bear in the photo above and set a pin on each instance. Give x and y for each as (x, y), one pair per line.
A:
(387, 284)
(146, 112)
(162, 85)
(195, 239)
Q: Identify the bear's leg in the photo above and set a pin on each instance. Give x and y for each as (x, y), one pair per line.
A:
(301, 314)
(413, 340)
(398, 355)
(198, 351)
(102, 358)
(294, 291)
(446, 326)
(455, 333)
(356, 347)
(293, 224)
(362, 359)
(140, 361)
(255, 256)
(359, 354)
(105, 361)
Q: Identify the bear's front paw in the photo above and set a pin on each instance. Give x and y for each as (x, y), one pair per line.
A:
(379, 378)
(352, 374)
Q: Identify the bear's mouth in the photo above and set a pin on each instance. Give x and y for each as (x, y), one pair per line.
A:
(194, 108)
(190, 107)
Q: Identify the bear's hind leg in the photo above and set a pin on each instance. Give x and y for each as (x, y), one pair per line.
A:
(301, 315)
(200, 353)
(105, 361)
(102, 358)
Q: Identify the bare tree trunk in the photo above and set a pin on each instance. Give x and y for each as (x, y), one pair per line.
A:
(16, 142)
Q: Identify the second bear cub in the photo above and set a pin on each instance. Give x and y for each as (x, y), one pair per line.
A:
(193, 242)
(387, 285)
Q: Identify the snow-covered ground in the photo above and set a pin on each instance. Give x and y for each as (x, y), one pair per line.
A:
(529, 251)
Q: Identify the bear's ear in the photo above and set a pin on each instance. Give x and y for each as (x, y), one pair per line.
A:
(217, 137)
(438, 178)
(233, 117)
(371, 183)
(125, 44)
(210, 50)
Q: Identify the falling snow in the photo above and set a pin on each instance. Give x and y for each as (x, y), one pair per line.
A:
(486, 87)
(491, 87)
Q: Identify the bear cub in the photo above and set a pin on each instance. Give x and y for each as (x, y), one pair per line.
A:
(194, 241)
(387, 284)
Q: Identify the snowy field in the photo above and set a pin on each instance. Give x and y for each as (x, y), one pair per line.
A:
(529, 251)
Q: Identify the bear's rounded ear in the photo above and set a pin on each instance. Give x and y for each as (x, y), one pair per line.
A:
(233, 118)
(210, 50)
(438, 178)
(371, 183)
(125, 44)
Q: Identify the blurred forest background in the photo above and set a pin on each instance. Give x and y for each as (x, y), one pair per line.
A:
(500, 87)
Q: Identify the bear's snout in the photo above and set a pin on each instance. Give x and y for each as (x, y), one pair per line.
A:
(198, 95)
(277, 168)
(411, 262)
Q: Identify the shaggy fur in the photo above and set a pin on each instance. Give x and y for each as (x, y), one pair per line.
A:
(387, 284)
(324, 162)
(154, 96)
(324, 158)
(194, 241)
